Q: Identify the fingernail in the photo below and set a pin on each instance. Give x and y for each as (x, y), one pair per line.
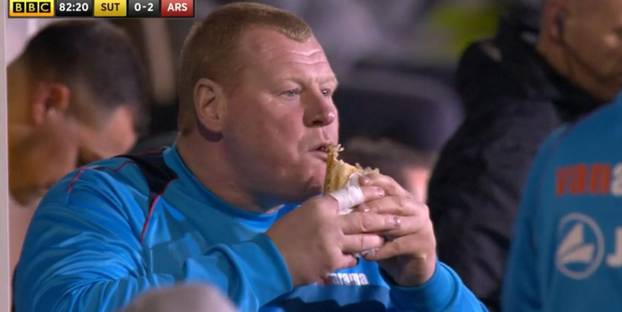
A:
(363, 208)
(379, 192)
(363, 181)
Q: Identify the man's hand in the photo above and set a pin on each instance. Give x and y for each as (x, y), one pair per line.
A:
(315, 240)
(409, 255)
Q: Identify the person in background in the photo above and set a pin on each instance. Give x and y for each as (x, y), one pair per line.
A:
(236, 202)
(407, 165)
(567, 251)
(74, 96)
(516, 89)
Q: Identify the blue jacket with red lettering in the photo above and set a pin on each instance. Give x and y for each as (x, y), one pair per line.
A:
(115, 229)
(567, 250)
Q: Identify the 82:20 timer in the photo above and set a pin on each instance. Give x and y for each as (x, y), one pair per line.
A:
(74, 8)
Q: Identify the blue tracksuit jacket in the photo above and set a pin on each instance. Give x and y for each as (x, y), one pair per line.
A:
(567, 250)
(105, 234)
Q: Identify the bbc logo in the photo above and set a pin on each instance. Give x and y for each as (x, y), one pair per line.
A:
(31, 8)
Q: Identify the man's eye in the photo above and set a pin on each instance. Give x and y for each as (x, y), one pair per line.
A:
(291, 93)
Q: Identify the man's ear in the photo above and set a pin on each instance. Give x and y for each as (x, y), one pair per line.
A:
(49, 99)
(210, 104)
(557, 11)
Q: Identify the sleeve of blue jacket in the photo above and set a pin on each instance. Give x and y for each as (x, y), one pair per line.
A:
(521, 288)
(444, 291)
(83, 253)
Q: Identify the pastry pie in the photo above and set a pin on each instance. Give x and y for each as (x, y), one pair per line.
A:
(338, 172)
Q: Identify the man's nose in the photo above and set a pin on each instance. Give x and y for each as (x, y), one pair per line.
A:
(320, 111)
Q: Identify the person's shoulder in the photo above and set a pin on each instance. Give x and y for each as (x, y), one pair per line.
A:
(105, 176)
(507, 121)
(502, 99)
(115, 169)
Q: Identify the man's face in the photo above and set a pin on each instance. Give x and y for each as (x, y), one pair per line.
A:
(61, 144)
(592, 38)
(280, 116)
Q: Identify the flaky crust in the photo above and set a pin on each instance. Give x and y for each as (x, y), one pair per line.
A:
(338, 172)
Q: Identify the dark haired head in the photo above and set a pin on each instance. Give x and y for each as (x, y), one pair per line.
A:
(92, 54)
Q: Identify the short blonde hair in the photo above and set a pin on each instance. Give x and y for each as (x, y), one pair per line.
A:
(210, 49)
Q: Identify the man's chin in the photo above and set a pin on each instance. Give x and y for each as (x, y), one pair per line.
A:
(313, 188)
(303, 193)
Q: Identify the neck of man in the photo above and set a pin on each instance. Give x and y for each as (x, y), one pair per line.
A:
(568, 64)
(207, 161)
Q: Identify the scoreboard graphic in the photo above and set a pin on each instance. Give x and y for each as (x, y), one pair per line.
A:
(101, 8)
(31, 8)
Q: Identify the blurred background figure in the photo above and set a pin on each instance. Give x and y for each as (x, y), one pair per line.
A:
(74, 96)
(567, 251)
(420, 111)
(516, 88)
(408, 166)
(182, 298)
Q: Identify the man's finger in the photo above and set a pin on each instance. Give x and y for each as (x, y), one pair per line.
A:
(360, 242)
(354, 195)
(347, 261)
(383, 181)
(372, 193)
(368, 222)
(397, 205)
(389, 250)
(405, 226)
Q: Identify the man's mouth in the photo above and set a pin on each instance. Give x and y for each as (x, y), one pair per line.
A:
(321, 151)
(323, 148)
